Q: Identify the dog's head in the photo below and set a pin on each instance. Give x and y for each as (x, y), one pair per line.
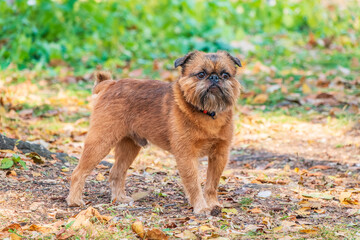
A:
(208, 80)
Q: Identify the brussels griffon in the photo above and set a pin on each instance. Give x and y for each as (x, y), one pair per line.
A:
(190, 118)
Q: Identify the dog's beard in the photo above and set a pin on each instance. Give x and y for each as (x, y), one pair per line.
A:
(218, 99)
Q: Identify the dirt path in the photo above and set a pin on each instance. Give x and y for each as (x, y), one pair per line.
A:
(285, 179)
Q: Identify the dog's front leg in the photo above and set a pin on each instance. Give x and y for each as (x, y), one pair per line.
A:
(188, 169)
(218, 158)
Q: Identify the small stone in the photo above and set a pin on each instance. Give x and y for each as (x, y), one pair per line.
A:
(264, 194)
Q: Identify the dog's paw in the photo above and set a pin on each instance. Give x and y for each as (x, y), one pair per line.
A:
(74, 203)
(215, 204)
(122, 199)
(216, 210)
(202, 210)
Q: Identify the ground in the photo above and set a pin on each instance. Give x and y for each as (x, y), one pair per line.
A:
(293, 172)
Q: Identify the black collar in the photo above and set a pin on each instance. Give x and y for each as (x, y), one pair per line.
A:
(211, 114)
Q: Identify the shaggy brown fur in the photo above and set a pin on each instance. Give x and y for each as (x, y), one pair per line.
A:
(129, 112)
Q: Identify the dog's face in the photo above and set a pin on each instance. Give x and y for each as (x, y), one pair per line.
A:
(208, 80)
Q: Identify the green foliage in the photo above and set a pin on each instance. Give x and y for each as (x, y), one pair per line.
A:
(88, 33)
(7, 163)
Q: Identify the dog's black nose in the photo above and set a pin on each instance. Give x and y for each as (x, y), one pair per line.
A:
(214, 78)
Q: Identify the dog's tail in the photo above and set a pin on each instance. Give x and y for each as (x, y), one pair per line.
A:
(102, 81)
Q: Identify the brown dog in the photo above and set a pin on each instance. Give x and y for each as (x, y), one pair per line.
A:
(190, 118)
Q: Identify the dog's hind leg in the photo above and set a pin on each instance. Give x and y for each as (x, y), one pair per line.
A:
(126, 151)
(96, 147)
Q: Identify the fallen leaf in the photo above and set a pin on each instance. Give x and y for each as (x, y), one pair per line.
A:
(35, 157)
(205, 228)
(287, 225)
(65, 234)
(260, 98)
(13, 226)
(303, 211)
(320, 211)
(156, 234)
(318, 195)
(322, 167)
(345, 198)
(230, 211)
(306, 89)
(344, 195)
(100, 166)
(7, 151)
(138, 228)
(140, 195)
(278, 229)
(310, 204)
(256, 210)
(310, 231)
(281, 182)
(170, 225)
(186, 235)
(100, 177)
(65, 169)
(11, 173)
(14, 236)
(40, 229)
(87, 218)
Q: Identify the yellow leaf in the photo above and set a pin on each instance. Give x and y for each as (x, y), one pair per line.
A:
(65, 169)
(303, 211)
(205, 228)
(138, 228)
(230, 210)
(39, 229)
(256, 210)
(36, 174)
(278, 229)
(320, 211)
(306, 89)
(222, 180)
(309, 231)
(260, 98)
(100, 177)
(296, 170)
(343, 196)
(7, 151)
(13, 236)
(87, 218)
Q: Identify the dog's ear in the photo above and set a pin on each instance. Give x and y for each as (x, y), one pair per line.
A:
(181, 61)
(234, 59)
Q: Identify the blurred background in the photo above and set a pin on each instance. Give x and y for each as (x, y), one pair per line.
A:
(300, 58)
(114, 34)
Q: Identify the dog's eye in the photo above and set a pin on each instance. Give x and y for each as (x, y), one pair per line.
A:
(201, 75)
(225, 75)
